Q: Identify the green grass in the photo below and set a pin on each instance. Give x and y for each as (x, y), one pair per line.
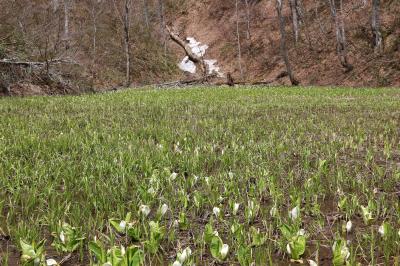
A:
(86, 159)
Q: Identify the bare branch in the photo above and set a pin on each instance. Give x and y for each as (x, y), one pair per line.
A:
(37, 64)
(175, 37)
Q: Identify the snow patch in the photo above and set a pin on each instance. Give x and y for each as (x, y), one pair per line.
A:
(197, 48)
(200, 50)
(187, 65)
(212, 67)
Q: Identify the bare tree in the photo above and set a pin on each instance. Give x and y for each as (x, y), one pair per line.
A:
(146, 13)
(284, 50)
(94, 9)
(248, 19)
(238, 38)
(66, 24)
(127, 41)
(340, 34)
(376, 31)
(125, 20)
(93, 13)
(295, 8)
(162, 24)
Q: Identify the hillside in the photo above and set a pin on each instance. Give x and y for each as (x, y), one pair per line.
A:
(74, 46)
(314, 57)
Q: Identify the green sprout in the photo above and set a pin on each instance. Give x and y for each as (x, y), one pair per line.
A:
(32, 254)
(295, 240)
(67, 238)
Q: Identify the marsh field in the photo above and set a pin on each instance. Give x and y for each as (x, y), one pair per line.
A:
(204, 176)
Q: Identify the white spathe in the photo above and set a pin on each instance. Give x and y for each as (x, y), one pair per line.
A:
(273, 212)
(216, 211)
(301, 232)
(312, 263)
(235, 208)
(294, 213)
(144, 209)
(186, 253)
(177, 263)
(164, 209)
(382, 230)
(224, 251)
(122, 225)
(51, 262)
(349, 226)
(288, 249)
(345, 252)
(62, 237)
(173, 176)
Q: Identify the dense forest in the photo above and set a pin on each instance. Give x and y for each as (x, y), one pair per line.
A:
(69, 46)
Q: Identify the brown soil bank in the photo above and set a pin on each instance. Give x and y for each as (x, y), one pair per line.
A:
(314, 57)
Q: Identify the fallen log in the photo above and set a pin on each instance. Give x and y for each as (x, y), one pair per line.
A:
(35, 64)
(243, 83)
(198, 60)
(188, 50)
(181, 83)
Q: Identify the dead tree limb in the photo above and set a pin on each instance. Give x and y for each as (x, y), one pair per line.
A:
(198, 60)
(36, 64)
(20, 63)
(187, 82)
(175, 37)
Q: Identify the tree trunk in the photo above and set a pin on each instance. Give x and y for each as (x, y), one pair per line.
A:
(238, 39)
(146, 14)
(127, 42)
(94, 41)
(66, 24)
(376, 31)
(295, 19)
(340, 35)
(162, 25)
(284, 49)
(248, 19)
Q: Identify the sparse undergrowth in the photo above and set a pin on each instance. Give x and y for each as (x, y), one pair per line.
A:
(269, 176)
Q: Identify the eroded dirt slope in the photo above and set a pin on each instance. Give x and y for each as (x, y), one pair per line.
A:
(314, 57)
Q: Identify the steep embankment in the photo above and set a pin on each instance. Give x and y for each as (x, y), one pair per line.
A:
(314, 57)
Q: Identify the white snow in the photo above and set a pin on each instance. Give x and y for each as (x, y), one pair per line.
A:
(197, 48)
(200, 50)
(187, 65)
(212, 68)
